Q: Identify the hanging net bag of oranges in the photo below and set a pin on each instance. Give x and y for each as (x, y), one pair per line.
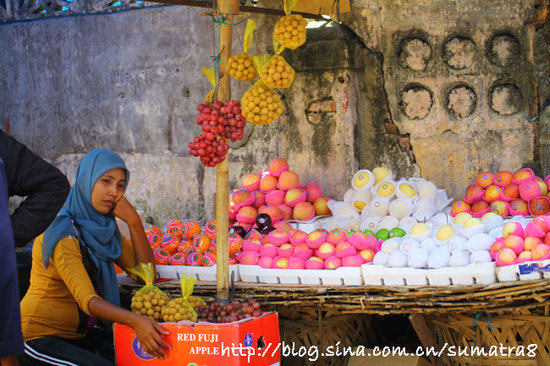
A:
(277, 73)
(290, 30)
(241, 66)
(261, 104)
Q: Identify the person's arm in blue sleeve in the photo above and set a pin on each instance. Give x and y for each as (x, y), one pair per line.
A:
(11, 338)
(44, 186)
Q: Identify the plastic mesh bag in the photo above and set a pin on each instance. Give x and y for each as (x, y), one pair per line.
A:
(148, 300)
(261, 105)
(180, 308)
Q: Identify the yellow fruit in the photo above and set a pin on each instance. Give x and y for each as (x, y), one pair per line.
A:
(380, 173)
(241, 67)
(251, 102)
(445, 232)
(461, 218)
(178, 309)
(276, 73)
(419, 228)
(149, 304)
(290, 31)
(472, 222)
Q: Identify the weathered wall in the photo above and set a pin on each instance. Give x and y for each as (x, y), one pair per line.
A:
(430, 88)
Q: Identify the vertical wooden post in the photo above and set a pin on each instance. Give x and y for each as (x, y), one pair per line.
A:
(222, 169)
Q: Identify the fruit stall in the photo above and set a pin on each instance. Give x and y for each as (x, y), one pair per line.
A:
(470, 272)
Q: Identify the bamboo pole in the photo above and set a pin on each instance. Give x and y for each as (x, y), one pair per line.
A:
(222, 170)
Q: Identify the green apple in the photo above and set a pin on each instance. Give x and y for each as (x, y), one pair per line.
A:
(397, 231)
(382, 234)
(368, 232)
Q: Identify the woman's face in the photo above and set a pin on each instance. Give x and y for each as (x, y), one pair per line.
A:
(108, 189)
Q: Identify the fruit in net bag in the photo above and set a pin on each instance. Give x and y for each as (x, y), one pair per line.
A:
(290, 31)
(196, 301)
(241, 67)
(181, 308)
(261, 105)
(277, 73)
(149, 299)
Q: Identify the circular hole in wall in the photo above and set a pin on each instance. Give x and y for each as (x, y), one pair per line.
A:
(414, 53)
(459, 52)
(503, 49)
(505, 98)
(460, 100)
(416, 101)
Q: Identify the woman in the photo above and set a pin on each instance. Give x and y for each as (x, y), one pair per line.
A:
(73, 279)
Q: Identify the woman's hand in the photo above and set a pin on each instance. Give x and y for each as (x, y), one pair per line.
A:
(126, 212)
(149, 333)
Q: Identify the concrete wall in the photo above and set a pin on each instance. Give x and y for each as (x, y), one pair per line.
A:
(436, 89)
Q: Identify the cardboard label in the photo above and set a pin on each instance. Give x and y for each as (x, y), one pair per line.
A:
(527, 268)
(254, 341)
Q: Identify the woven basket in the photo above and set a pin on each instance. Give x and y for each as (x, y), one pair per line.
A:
(314, 328)
(486, 331)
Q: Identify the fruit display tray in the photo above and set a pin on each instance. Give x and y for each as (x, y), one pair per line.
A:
(524, 271)
(341, 276)
(200, 273)
(308, 226)
(475, 273)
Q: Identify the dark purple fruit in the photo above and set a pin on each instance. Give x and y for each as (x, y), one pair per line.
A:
(263, 221)
(238, 230)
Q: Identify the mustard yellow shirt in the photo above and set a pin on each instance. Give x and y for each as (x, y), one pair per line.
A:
(50, 306)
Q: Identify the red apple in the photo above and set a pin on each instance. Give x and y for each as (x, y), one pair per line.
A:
(472, 191)
(492, 192)
(531, 242)
(540, 251)
(511, 190)
(479, 206)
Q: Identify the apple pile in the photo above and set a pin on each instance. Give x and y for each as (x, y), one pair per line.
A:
(276, 191)
(188, 244)
(506, 194)
(520, 244)
(287, 248)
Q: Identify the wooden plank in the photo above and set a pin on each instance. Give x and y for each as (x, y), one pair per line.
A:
(327, 7)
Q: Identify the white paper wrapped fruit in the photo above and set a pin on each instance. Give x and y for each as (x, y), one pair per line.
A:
(506, 194)
(444, 241)
(278, 192)
(382, 202)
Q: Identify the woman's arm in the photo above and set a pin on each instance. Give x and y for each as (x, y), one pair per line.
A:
(127, 213)
(148, 331)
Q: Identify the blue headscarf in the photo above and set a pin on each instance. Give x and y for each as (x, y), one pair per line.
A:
(98, 232)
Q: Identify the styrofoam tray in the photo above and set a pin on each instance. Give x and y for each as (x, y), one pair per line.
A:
(200, 273)
(475, 273)
(513, 272)
(341, 276)
(308, 226)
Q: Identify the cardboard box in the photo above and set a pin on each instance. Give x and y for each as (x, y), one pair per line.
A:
(253, 341)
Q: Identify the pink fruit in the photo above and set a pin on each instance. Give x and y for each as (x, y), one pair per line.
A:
(248, 257)
(315, 239)
(252, 245)
(280, 262)
(361, 241)
(288, 180)
(531, 242)
(514, 242)
(352, 261)
(285, 250)
(278, 237)
(304, 211)
(513, 228)
(506, 257)
(337, 235)
(296, 263)
(265, 262)
(524, 257)
(344, 249)
(367, 254)
(268, 183)
(250, 182)
(325, 250)
(287, 211)
(315, 263)
(333, 262)
(321, 207)
(303, 251)
(313, 191)
(242, 198)
(275, 198)
(247, 215)
(294, 196)
(260, 199)
(298, 237)
(541, 251)
(529, 190)
(268, 250)
(278, 166)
